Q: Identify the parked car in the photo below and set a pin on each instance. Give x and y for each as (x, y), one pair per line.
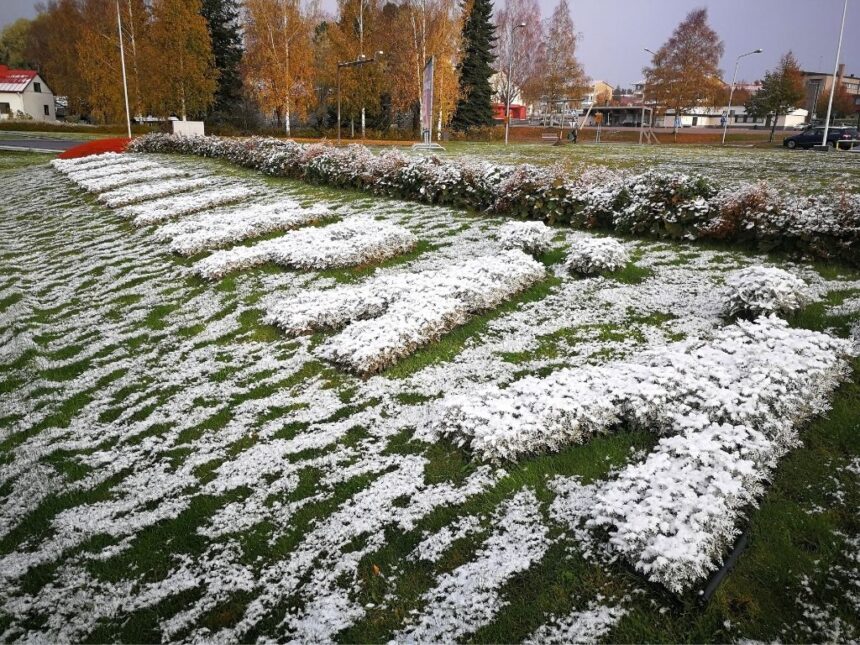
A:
(812, 137)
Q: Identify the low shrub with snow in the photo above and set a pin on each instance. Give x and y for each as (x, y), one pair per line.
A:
(654, 203)
(390, 316)
(659, 204)
(358, 240)
(531, 237)
(730, 408)
(722, 378)
(165, 208)
(133, 194)
(758, 290)
(94, 161)
(215, 230)
(595, 255)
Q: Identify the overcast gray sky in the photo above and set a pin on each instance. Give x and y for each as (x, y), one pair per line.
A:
(614, 32)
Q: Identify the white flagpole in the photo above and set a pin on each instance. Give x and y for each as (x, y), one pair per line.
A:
(122, 61)
(835, 72)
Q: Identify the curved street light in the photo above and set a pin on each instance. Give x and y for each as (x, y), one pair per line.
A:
(361, 60)
(732, 92)
(651, 114)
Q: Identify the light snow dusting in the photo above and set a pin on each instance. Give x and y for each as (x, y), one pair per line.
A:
(289, 448)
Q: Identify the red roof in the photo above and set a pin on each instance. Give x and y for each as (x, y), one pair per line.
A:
(15, 80)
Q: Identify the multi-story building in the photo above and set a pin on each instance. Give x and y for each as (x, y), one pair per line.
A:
(819, 83)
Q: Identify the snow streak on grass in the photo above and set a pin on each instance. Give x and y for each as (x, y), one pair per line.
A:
(172, 467)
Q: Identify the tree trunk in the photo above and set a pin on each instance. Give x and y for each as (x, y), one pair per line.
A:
(773, 127)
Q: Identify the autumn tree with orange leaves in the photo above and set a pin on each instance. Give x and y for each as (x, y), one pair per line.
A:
(183, 77)
(685, 71)
(279, 57)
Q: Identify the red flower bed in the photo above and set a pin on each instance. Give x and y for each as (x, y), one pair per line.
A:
(96, 147)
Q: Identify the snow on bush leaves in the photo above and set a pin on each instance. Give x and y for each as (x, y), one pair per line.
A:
(391, 316)
(759, 290)
(763, 374)
(358, 240)
(594, 255)
(654, 203)
(675, 514)
(531, 237)
(213, 230)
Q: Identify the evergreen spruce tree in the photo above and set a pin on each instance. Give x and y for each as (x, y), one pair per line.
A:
(474, 109)
(222, 20)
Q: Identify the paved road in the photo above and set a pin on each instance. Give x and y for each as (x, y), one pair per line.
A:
(43, 145)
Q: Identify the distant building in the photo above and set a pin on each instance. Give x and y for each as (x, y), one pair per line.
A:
(819, 83)
(600, 94)
(702, 117)
(518, 111)
(23, 94)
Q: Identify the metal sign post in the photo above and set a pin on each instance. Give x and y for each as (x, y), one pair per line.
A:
(427, 109)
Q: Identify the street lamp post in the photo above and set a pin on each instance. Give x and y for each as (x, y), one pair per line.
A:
(361, 60)
(835, 79)
(122, 64)
(510, 84)
(732, 92)
(642, 117)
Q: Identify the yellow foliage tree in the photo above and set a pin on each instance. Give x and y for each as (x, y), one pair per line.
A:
(279, 56)
(182, 75)
(418, 30)
(359, 32)
(52, 48)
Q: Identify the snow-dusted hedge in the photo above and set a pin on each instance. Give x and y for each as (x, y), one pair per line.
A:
(531, 237)
(730, 408)
(358, 240)
(215, 230)
(758, 290)
(722, 379)
(135, 193)
(653, 203)
(165, 208)
(594, 255)
(125, 178)
(390, 316)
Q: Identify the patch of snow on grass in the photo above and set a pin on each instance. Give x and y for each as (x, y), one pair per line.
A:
(580, 627)
(468, 597)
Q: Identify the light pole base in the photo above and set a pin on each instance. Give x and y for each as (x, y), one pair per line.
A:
(821, 148)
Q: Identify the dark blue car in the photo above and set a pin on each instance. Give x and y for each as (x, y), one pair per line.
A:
(813, 136)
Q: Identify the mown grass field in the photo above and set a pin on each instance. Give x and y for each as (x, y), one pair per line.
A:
(171, 467)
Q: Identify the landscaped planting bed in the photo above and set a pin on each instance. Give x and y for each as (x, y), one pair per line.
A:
(653, 203)
(409, 431)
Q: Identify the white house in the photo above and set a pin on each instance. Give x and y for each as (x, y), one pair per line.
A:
(701, 117)
(23, 94)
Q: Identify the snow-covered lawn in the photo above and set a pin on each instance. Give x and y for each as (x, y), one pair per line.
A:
(385, 423)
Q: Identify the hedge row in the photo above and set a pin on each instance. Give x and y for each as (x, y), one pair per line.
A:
(654, 204)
